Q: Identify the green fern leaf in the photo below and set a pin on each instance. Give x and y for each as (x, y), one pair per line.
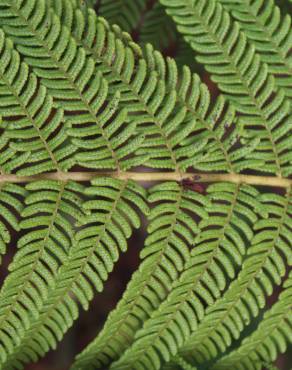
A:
(191, 284)
(183, 364)
(29, 117)
(10, 160)
(149, 103)
(78, 88)
(68, 12)
(263, 267)
(240, 74)
(145, 95)
(41, 250)
(269, 32)
(166, 252)
(102, 236)
(73, 85)
(11, 205)
(157, 22)
(178, 363)
(171, 325)
(272, 337)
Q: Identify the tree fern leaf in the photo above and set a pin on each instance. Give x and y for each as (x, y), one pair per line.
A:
(196, 105)
(11, 205)
(9, 161)
(84, 3)
(240, 74)
(68, 73)
(145, 95)
(166, 251)
(35, 120)
(122, 67)
(183, 364)
(132, 80)
(262, 268)
(272, 337)
(230, 155)
(212, 256)
(269, 32)
(42, 249)
(109, 220)
(65, 9)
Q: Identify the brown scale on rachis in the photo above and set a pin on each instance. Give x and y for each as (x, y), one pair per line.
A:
(191, 183)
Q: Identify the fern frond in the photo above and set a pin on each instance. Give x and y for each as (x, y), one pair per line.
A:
(178, 363)
(206, 274)
(233, 152)
(102, 236)
(272, 337)
(144, 94)
(33, 127)
(263, 267)
(41, 250)
(70, 16)
(125, 13)
(68, 84)
(10, 160)
(84, 3)
(172, 232)
(152, 100)
(183, 364)
(271, 34)
(72, 79)
(11, 205)
(239, 72)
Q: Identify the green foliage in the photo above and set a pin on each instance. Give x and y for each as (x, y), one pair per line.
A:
(240, 73)
(77, 93)
(70, 274)
(270, 336)
(30, 117)
(203, 278)
(270, 33)
(10, 209)
(171, 232)
(254, 282)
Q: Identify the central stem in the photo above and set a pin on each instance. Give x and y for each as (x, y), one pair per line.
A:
(154, 176)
